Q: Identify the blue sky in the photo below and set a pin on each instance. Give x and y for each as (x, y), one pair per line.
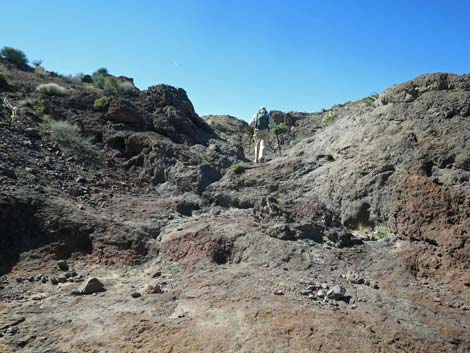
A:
(234, 56)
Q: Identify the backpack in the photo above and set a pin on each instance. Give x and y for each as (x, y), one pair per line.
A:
(262, 121)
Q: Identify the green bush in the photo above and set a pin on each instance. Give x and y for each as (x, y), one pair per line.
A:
(382, 232)
(371, 99)
(101, 103)
(39, 70)
(39, 106)
(279, 128)
(67, 135)
(52, 89)
(13, 55)
(237, 168)
(329, 117)
(110, 84)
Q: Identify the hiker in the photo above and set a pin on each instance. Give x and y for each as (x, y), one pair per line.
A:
(262, 122)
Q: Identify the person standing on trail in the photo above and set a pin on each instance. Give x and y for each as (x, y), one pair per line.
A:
(262, 122)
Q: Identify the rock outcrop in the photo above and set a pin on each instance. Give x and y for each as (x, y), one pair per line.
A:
(354, 236)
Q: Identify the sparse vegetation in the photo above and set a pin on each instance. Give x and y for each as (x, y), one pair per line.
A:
(39, 70)
(371, 99)
(110, 84)
(39, 107)
(329, 117)
(278, 130)
(237, 168)
(52, 89)
(37, 63)
(101, 103)
(382, 232)
(67, 135)
(14, 56)
(12, 109)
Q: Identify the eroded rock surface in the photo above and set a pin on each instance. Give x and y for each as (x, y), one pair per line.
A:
(353, 238)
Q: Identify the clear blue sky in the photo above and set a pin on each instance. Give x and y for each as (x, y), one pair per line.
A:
(233, 56)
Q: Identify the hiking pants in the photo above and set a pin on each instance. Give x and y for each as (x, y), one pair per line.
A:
(261, 139)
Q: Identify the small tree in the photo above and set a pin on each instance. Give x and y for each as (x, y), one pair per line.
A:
(278, 130)
(13, 55)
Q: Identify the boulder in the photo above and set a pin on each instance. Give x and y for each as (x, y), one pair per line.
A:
(93, 285)
(123, 111)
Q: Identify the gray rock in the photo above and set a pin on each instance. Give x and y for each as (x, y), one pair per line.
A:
(136, 295)
(321, 293)
(63, 265)
(336, 293)
(93, 285)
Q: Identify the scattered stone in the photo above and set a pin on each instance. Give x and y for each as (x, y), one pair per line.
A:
(154, 288)
(278, 292)
(321, 293)
(62, 279)
(19, 279)
(76, 292)
(71, 273)
(54, 281)
(336, 293)
(31, 132)
(157, 274)
(12, 330)
(31, 278)
(324, 286)
(305, 292)
(136, 295)
(93, 285)
(376, 285)
(354, 306)
(63, 265)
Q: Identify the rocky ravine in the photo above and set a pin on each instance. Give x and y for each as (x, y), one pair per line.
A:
(353, 239)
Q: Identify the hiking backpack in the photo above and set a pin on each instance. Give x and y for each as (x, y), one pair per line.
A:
(262, 121)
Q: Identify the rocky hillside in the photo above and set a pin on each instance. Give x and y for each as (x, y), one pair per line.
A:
(130, 224)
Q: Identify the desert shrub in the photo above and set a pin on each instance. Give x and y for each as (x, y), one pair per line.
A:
(52, 89)
(382, 232)
(39, 70)
(13, 55)
(67, 135)
(329, 117)
(279, 129)
(37, 63)
(39, 106)
(110, 84)
(237, 168)
(371, 99)
(101, 103)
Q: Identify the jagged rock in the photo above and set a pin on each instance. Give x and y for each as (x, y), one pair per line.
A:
(93, 285)
(121, 110)
(63, 265)
(336, 293)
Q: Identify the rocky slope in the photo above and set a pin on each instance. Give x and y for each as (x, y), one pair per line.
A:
(353, 238)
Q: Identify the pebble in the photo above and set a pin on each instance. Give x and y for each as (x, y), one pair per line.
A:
(278, 292)
(136, 295)
(321, 293)
(354, 306)
(54, 281)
